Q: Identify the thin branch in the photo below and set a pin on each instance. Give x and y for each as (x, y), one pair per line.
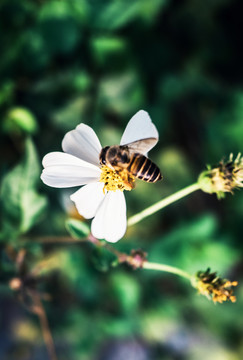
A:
(122, 257)
(162, 204)
(38, 309)
(49, 239)
(166, 268)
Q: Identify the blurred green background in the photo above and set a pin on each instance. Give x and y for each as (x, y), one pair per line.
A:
(99, 62)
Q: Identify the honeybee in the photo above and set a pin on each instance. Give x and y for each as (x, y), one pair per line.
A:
(138, 138)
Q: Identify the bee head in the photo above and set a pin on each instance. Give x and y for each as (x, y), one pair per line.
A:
(102, 156)
(112, 155)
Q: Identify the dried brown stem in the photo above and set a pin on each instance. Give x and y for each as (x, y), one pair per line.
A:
(135, 259)
(122, 257)
(38, 309)
(53, 239)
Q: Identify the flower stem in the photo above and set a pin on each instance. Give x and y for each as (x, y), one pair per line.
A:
(166, 268)
(162, 203)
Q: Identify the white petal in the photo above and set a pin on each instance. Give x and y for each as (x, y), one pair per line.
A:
(65, 170)
(59, 158)
(140, 127)
(110, 220)
(88, 198)
(83, 143)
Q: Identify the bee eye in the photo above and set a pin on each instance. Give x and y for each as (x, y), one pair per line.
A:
(103, 161)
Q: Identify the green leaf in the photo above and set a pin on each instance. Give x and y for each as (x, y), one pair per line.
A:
(67, 116)
(116, 14)
(106, 47)
(80, 277)
(31, 166)
(103, 259)
(121, 93)
(33, 206)
(6, 92)
(127, 291)
(59, 27)
(22, 205)
(195, 240)
(19, 120)
(113, 15)
(78, 229)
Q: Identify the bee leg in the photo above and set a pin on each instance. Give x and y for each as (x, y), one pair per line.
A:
(128, 185)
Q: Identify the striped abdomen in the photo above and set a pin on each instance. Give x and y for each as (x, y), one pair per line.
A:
(143, 168)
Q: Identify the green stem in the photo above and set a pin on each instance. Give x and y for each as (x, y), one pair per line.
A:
(166, 268)
(163, 203)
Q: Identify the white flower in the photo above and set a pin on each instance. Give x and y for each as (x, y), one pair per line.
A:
(79, 165)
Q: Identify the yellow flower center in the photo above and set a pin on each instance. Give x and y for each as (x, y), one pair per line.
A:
(116, 180)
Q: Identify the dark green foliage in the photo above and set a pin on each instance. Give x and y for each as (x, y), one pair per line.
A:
(78, 229)
(22, 205)
(99, 62)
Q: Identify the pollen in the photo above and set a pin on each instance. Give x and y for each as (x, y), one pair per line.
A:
(116, 180)
(214, 287)
(225, 177)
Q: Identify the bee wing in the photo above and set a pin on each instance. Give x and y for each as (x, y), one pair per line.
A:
(140, 132)
(142, 146)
